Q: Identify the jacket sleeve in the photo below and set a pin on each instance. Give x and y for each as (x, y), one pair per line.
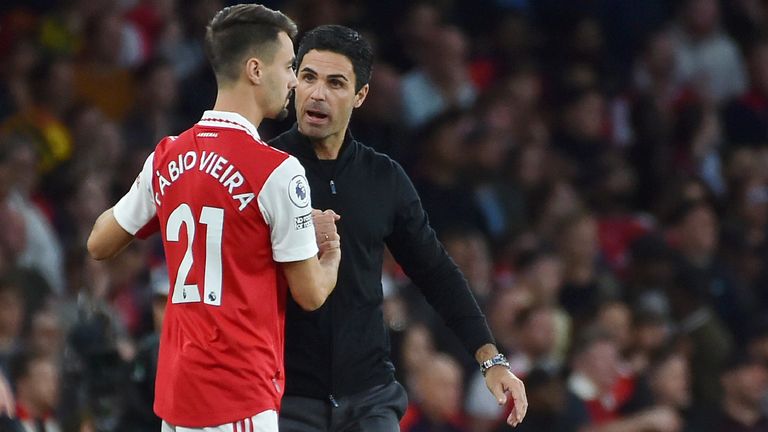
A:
(415, 247)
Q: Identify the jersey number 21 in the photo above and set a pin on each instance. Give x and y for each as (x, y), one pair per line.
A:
(213, 219)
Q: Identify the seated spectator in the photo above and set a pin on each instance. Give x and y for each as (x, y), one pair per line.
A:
(706, 55)
(43, 121)
(581, 138)
(746, 118)
(587, 283)
(102, 65)
(471, 252)
(36, 379)
(440, 181)
(408, 353)
(694, 236)
(43, 250)
(602, 388)
(650, 269)
(698, 144)
(667, 383)
(436, 398)
(441, 80)
(541, 271)
(706, 338)
(651, 333)
(745, 382)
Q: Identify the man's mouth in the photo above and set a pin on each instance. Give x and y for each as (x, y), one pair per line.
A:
(316, 115)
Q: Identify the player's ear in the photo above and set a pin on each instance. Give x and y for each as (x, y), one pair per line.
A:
(254, 70)
(361, 95)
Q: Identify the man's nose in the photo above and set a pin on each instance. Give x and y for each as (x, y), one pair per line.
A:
(318, 93)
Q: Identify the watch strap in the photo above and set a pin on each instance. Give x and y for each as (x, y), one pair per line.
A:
(497, 360)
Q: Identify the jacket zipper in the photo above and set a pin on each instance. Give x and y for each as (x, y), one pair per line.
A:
(333, 187)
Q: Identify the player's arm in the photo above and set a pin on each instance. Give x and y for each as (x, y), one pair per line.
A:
(311, 281)
(116, 227)
(107, 237)
(286, 206)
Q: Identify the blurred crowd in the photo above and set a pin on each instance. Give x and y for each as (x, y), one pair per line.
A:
(597, 168)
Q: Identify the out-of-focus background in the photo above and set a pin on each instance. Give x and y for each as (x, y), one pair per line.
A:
(597, 168)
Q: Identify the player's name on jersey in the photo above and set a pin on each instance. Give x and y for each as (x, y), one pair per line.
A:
(210, 163)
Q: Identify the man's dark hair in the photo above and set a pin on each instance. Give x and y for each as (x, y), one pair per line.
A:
(340, 40)
(243, 30)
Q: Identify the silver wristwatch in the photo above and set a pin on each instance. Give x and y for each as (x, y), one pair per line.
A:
(498, 359)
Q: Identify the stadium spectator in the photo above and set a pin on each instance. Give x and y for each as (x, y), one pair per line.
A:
(36, 379)
(746, 117)
(745, 382)
(707, 57)
(440, 81)
(442, 164)
(436, 405)
(602, 388)
(586, 283)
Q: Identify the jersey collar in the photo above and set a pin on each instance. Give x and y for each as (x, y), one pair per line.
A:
(230, 120)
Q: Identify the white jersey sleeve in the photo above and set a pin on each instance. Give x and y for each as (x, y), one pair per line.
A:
(137, 207)
(285, 203)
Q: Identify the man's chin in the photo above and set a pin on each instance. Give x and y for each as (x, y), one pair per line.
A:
(309, 130)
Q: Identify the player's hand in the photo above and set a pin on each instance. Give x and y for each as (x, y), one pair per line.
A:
(503, 384)
(326, 235)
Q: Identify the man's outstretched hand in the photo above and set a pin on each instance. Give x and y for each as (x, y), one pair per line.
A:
(504, 384)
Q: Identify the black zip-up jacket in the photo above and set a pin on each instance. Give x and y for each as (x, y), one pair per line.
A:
(342, 348)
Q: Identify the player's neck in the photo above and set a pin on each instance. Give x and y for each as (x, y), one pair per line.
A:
(231, 99)
(328, 148)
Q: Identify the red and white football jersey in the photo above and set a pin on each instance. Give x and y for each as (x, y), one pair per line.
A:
(229, 208)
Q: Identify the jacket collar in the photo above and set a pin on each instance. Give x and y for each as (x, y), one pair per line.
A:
(299, 145)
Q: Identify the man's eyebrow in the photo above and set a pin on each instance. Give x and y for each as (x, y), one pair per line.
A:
(337, 76)
(334, 76)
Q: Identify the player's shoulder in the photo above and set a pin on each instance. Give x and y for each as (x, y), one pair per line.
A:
(266, 156)
(171, 143)
(271, 151)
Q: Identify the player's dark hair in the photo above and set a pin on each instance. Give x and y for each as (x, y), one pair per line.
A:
(243, 30)
(340, 40)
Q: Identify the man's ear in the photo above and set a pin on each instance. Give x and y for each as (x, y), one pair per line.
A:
(254, 70)
(361, 95)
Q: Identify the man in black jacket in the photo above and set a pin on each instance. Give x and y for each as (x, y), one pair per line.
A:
(339, 376)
